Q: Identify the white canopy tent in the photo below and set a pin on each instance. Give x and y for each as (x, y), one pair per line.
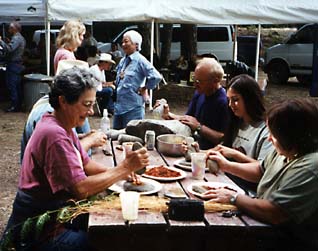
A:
(23, 10)
(188, 11)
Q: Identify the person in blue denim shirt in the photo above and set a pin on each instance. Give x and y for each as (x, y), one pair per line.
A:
(14, 56)
(135, 74)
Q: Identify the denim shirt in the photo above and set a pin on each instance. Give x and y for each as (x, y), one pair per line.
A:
(14, 48)
(137, 72)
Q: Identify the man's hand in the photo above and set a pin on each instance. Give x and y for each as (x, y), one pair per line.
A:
(190, 121)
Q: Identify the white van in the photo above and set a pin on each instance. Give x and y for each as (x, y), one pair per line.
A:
(211, 39)
(41, 33)
(292, 58)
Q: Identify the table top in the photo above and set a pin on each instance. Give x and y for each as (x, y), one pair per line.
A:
(112, 219)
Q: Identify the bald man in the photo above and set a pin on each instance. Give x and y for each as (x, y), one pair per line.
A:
(208, 113)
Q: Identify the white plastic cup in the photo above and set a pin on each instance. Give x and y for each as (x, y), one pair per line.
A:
(129, 204)
(198, 163)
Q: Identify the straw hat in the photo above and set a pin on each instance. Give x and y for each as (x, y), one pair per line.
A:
(68, 63)
(105, 57)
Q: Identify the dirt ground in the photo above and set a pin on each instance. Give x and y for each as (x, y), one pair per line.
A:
(11, 127)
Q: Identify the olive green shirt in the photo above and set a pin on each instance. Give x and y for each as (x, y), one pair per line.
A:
(292, 185)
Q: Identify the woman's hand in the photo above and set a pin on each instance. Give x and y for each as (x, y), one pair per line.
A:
(220, 195)
(223, 163)
(185, 147)
(97, 138)
(136, 160)
(226, 151)
(134, 178)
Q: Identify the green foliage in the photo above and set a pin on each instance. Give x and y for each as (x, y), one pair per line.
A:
(26, 229)
(7, 244)
(40, 223)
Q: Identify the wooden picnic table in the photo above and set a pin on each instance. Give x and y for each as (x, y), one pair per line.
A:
(155, 231)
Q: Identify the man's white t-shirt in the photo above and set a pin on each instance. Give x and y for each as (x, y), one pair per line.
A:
(99, 75)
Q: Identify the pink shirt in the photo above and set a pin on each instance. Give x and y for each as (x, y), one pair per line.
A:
(53, 159)
(62, 54)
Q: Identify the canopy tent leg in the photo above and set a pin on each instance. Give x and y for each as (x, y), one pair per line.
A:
(257, 51)
(47, 41)
(151, 57)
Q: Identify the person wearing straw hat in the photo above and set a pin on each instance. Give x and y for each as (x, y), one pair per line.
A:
(105, 90)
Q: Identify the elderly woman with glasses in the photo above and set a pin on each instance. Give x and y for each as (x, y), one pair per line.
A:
(55, 167)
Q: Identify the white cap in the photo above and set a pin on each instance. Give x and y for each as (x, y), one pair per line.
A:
(105, 57)
(69, 63)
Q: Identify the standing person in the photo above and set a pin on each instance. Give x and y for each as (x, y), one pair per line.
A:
(56, 169)
(89, 40)
(69, 39)
(105, 90)
(135, 75)
(14, 51)
(208, 114)
(287, 178)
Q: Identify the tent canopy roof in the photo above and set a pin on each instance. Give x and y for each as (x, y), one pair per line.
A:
(188, 11)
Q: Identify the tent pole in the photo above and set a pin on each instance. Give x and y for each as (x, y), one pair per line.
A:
(151, 56)
(47, 39)
(48, 42)
(257, 51)
(235, 44)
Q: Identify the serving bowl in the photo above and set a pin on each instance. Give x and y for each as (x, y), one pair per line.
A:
(170, 144)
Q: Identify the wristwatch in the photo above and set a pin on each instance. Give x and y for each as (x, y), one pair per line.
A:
(233, 199)
(198, 129)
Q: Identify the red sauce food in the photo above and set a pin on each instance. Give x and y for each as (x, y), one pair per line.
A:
(161, 171)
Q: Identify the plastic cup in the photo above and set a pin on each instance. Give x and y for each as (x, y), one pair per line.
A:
(129, 204)
(198, 163)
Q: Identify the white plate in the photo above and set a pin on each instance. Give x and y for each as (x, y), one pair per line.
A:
(118, 186)
(180, 163)
(214, 185)
(182, 174)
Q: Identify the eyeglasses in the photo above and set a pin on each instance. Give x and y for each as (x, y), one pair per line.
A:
(198, 81)
(88, 104)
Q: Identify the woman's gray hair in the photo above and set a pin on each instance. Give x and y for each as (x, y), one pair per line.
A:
(71, 83)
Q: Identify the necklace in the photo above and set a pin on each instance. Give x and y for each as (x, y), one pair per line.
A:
(125, 65)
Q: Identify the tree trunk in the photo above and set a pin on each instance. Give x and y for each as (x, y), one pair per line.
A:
(189, 43)
(145, 30)
(166, 38)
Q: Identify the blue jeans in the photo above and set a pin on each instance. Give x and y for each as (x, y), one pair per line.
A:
(13, 82)
(106, 99)
(26, 206)
(121, 121)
